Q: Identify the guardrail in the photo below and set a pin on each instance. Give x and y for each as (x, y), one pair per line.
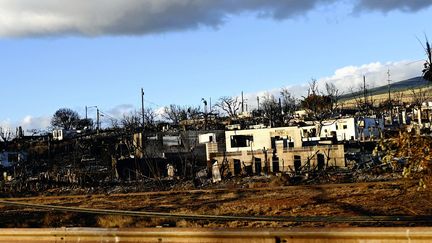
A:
(394, 235)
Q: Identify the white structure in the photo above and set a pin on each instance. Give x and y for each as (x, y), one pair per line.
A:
(256, 139)
(233, 127)
(58, 134)
(216, 176)
(207, 138)
(346, 129)
(423, 115)
(170, 171)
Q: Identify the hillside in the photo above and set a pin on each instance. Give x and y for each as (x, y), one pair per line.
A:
(412, 83)
(403, 90)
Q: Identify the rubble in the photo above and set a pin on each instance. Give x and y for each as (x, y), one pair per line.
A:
(65, 184)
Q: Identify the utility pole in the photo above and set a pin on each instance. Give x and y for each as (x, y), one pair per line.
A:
(280, 104)
(210, 111)
(389, 96)
(242, 101)
(205, 113)
(86, 112)
(364, 90)
(143, 121)
(205, 105)
(142, 107)
(258, 102)
(97, 120)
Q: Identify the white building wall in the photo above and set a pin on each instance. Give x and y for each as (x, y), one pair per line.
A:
(207, 138)
(345, 128)
(351, 128)
(261, 138)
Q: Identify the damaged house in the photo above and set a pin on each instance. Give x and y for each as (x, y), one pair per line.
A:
(258, 151)
(423, 115)
(352, 129)
(181, 152)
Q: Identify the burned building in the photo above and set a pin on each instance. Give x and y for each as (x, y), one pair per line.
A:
(258, 151)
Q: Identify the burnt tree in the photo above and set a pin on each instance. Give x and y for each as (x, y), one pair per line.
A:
(65, 118)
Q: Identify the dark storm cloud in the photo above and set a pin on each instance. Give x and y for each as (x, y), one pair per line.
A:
(140, 17)
(134, 17)
(390, 5)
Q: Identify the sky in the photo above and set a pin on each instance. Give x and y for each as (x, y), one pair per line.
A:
(59, 53)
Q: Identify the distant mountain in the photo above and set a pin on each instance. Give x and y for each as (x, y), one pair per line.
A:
(411, 83)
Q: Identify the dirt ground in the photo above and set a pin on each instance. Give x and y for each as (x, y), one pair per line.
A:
(399, 197)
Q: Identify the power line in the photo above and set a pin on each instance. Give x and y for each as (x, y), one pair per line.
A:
(106, 114)
(151, 102)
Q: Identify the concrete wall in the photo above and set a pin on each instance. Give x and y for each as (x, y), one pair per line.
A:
(207, 138)
(351, 128)
(345, 129)
(334, 155)
(262, 138)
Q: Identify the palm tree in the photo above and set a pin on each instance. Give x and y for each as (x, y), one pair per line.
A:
(427, 71)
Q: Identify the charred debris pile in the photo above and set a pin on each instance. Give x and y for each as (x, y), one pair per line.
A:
(112, 162)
